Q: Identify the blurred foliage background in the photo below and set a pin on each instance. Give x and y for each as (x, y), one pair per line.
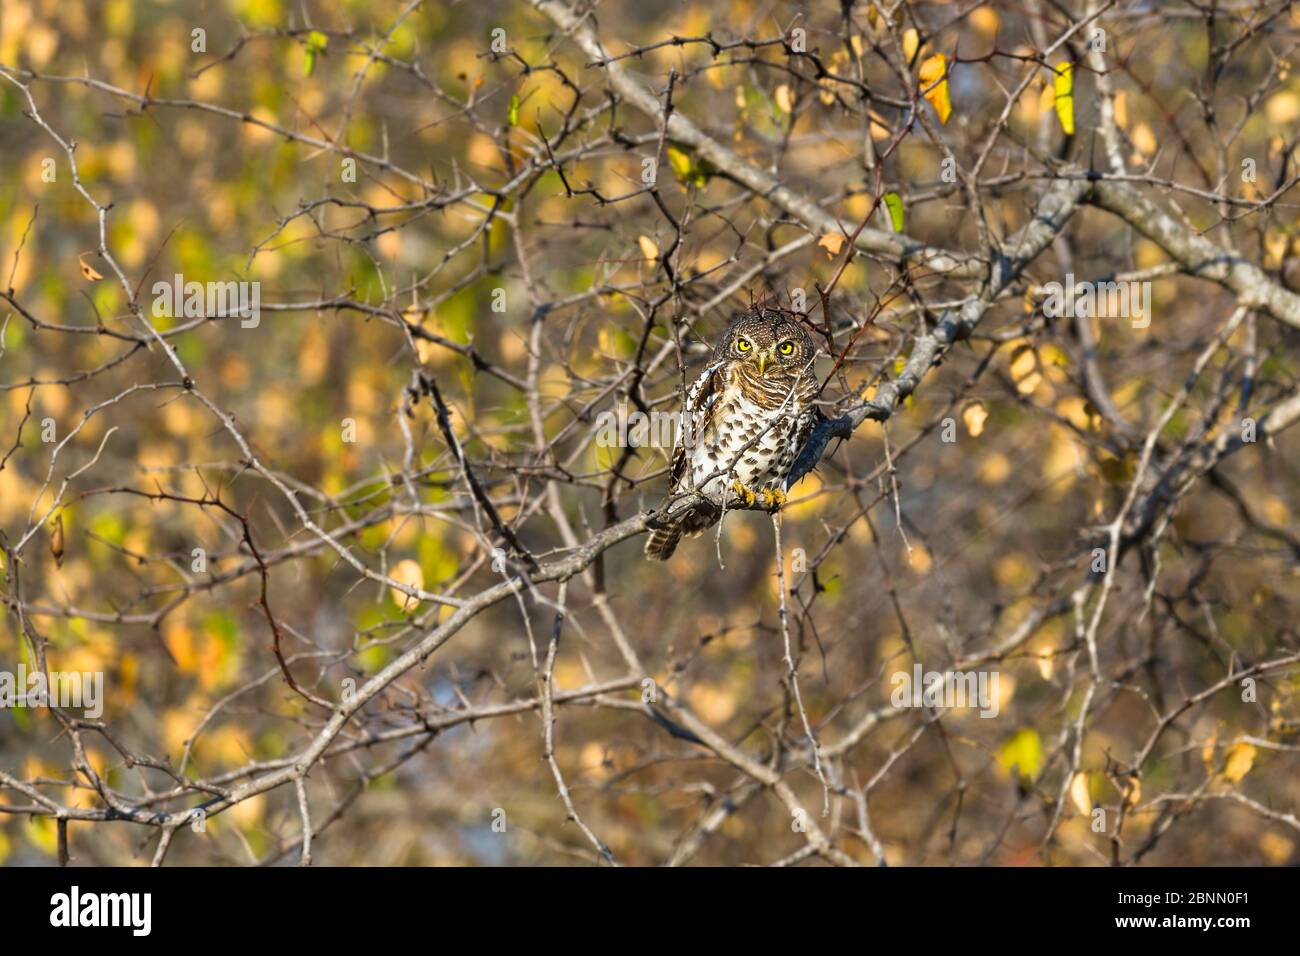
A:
(935, 552)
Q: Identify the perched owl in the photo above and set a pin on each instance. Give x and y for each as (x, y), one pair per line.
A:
(743, 421)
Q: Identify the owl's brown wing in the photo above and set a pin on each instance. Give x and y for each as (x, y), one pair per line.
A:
(697, 418)
(807, 421)
(697, 412)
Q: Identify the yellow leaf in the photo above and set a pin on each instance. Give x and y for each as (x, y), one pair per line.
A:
(911, 41)
(1144, 141)
(179, 640)
(87, 272)
(690, 169)
(1282, 108)
(1024, 752)
(1275, 246)
(1275, 509)
(1121, 109)
(1241, 757)
(43, 834)
(1013, 572)
(920, 559)
(648, 248)
(1079, 793)
(974, 416)
(1132, 792)
(985, 21)
(716, 704)
(784, 101)
(1276, 848)
(832, 242)
(406, 572)
(1046, 665)
(1029, 384)
(1063, 96)
(934, 84)
(1207, 753)
(1045, 98)
(679, 161)
(1024, 363)
(246, 813)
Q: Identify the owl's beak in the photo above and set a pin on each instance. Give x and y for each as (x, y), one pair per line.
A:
(762, 362)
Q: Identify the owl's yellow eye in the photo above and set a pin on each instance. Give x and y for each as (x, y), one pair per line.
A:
(743, 345)
(785, 348)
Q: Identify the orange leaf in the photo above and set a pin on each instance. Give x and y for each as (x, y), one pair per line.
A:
(56, 539)
(832, 242)
(87, 272)
(1241, 757)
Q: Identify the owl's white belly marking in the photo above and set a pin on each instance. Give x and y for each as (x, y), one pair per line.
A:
(742, 447)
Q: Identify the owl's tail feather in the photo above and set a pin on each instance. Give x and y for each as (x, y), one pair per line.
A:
(662, 543)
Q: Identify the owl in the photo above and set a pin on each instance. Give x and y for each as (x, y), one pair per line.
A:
(743, 422)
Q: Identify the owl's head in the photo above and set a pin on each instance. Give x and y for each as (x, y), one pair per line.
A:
(771, 340)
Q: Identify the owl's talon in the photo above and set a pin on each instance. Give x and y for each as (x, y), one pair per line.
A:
(743, 492)
(773, 498)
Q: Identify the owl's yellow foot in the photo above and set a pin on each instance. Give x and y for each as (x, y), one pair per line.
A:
(743, 492)
(773, 498)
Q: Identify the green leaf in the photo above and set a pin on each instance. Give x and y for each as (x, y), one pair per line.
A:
(894, 202)
(316, 44)
(688, 168)
(512, 115)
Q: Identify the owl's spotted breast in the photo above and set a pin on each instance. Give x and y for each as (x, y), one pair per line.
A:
(747, 441)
